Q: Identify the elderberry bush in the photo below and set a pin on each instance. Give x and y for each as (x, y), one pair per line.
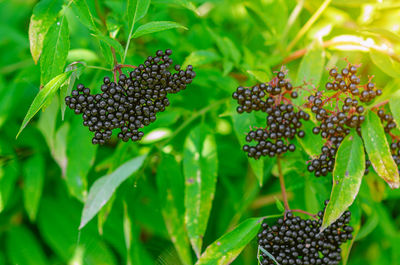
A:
(283, 122)
(133, 102)
(348, 102)
(293, 240)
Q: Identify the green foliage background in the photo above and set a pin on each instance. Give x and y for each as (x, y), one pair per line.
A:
(46, 174)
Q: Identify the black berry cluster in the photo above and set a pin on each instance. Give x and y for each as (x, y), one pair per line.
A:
(395, 148)
(133, 102)
(349, 101)
(283, 121)
(388, 119)
(293, 240)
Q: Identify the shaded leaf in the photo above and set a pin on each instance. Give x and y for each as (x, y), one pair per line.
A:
(79, 141)
(55, 50)
(201, 57)
(33, 183)
(44, 94)
(311, 67)
(156, 26)
(170, 183)
(9, 172)
(43, 16)
(112, 43)
(394, 104)
(200, 167)
(347, 176)
(225, 249)
(378, 149)
(242, 124)
(385, 63)
(136, 10)
(103, 188)
(355, 222)
(82, 12)
(310, 143)
(23, 248)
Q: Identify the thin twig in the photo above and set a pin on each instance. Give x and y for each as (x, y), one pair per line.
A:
(282, 183)
(304, 212)
(309, 23)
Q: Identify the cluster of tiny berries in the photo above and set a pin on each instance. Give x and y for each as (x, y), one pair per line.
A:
(293, 240)
(133, 102)
(283, 121)
(390, 125)
(395, 148)
(335, 125)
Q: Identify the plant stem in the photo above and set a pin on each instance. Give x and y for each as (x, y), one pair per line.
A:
(380, 104)
(304, 212)
(282, 182)
(98, 67)
(309, 23)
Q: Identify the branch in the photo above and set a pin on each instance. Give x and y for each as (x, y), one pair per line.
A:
(282, 182)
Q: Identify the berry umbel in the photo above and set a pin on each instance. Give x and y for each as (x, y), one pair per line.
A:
(338, 114)
(283, 122)
(293, 240)
(133, 102)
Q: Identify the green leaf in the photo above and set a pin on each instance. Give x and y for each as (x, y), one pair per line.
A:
(23, 248)
(225, 249)
(136, 10)
(103, 188)
(310, 143)
(82, 12)
(200, 167)
(201, 57)
(106, 52)
(385, 63)
(170, 183)
(378, 150)
(79, 141)
(9, 172)
(347, 176)
(394, 104)
(156, 26)
(43, 16)
(261, 76)
(33, 184)
(112, 43)
(55, 50)
(44, 94)
(242, 124)
(311, 67)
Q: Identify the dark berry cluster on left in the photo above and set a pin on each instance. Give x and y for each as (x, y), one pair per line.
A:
(133, 102)
(283, 121)
(293, 240)
(336, 122)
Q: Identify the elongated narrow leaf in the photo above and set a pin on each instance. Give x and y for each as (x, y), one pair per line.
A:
(79, 141)
(201, 57)
(23, 248)
(44, 94)
(378, 149)
(200, 169)
(347, 176)
(112, 43)
(103, 188)
(44, 15)
(385, 63)
(136, 11)
(170, 183)
(242, 124)
(55, 50)
(394, 104)
(156, 26)
(225, 249)
(82, 12)
(311, 67)
(33, 184)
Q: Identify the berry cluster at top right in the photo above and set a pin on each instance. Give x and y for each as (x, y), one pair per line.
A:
(338, 110)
